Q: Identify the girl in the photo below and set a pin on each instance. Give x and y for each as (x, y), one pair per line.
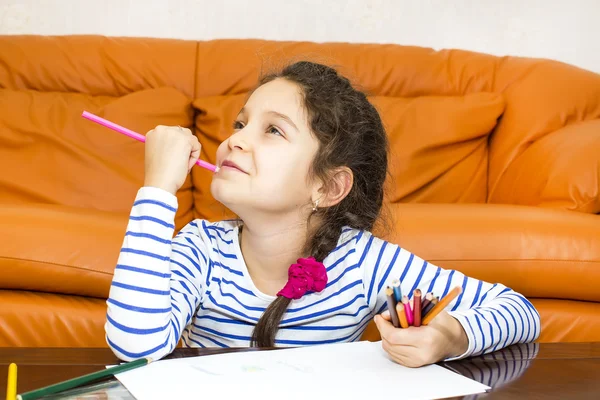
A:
(304, 170)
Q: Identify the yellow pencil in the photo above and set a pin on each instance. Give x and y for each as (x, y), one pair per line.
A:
(439, 307)
(11, 382)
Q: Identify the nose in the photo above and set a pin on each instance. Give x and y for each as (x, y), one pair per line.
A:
(238, 140)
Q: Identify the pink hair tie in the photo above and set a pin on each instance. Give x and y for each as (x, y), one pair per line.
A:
(307, 275)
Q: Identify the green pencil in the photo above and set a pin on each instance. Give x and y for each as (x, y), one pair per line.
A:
(82, 380)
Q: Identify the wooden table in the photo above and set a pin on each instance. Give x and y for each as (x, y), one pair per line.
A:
(549, 370)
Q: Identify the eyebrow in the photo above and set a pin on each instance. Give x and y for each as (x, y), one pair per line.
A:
(278, 115)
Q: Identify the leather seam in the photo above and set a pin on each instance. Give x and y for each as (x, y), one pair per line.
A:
(57, 264)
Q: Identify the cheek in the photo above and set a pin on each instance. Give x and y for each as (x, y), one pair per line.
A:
(283, 173)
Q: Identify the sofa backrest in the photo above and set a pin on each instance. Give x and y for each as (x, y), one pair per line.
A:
(49, 154)
(438, 127)
(546, 149)
(463, 126)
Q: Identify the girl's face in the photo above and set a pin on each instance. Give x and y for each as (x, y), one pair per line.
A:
(264, 164)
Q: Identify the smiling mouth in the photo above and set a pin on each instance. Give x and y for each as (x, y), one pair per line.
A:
(231, 166)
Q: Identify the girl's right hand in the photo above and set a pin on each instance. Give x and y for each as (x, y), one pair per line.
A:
(413, 347)
(171, 152)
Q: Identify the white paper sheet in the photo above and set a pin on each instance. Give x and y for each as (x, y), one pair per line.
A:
(359, 370)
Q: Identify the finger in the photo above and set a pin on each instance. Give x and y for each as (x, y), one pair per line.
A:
(405, 355)
(397, 353)
(410, 336)
(386, 315)
(195, 151)
(406, 361)
(385, 327)
(196, 147)
(397, 348)
(391, 348)
(396, 336)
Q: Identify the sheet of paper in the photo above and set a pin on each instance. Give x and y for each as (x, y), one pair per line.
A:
(359, 370)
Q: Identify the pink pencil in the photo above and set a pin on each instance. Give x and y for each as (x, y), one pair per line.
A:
(408, 310)
(134, 135)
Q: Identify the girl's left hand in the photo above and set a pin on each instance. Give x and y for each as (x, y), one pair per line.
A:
(444, 337)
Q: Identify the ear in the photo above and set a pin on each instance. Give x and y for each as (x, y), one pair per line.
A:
(336, 189)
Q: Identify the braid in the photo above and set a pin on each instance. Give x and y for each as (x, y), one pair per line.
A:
(322, 243)
(268, 324)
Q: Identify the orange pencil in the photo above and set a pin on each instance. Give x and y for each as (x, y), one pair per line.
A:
(417, 308)
(439, 307)
(402, 315)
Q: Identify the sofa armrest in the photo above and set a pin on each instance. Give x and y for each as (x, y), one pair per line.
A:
(536, 251)
(59, 249)
(561, 170)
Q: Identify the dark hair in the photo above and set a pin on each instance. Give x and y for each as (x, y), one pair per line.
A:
(351, 134)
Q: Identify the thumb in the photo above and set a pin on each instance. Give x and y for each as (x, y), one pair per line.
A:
(386, 315)
(384, 326)
(194, 153)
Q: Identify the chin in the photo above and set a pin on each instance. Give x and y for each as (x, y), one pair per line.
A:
(226, 193)
(237, 198)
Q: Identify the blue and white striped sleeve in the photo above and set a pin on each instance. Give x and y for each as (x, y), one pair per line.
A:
(157, 284)
(492, 315)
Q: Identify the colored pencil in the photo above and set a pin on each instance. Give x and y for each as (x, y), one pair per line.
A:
(402, 315)
(426, 301)
(83, 380)
(443, 303)
(11, 382)
(417, 308)
(426, 310)
(391, 303)
(397, 291)
(134, 135)
(407, 310)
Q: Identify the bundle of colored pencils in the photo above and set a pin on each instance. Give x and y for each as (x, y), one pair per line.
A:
(419, 310)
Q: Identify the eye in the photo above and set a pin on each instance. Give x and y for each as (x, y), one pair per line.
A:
(273, 129)
(237, 125)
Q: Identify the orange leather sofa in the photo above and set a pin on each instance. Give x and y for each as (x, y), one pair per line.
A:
(495, 166)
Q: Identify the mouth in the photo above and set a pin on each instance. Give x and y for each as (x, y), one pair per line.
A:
(227, 164)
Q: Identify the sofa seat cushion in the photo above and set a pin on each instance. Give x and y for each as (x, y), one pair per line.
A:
(59, 249)
(31, 319)
(539, 252)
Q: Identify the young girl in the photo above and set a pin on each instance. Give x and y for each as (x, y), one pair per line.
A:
(304, 171)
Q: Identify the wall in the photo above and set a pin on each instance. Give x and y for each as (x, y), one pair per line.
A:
(563, 30)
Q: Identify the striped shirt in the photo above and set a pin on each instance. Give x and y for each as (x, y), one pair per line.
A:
(195, 287)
